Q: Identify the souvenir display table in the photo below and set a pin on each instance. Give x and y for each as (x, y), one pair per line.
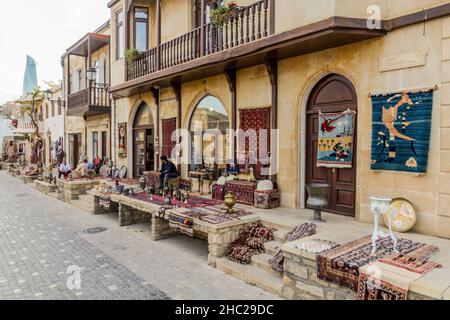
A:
(71, 190)
(220, 229)
(45, 187)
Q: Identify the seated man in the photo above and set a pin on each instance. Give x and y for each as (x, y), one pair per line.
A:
(64, 169)
(168, 171)
(82, 167)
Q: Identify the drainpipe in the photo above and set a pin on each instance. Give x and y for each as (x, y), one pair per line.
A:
(113, 136)
(63, 105)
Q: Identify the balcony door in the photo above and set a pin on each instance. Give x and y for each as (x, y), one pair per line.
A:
(143, 141)
(212, 37)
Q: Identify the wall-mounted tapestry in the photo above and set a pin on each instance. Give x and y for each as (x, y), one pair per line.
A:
(401, 128)
(335, 144)
(169, 126)
(122, 140)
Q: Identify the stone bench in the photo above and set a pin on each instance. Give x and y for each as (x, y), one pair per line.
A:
(71, 190)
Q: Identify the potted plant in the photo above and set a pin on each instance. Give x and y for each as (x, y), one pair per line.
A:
(224, 12)
(131, 55)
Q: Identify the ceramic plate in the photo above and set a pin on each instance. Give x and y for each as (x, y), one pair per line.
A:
(123, 172)
(403, 215)
(105, 171)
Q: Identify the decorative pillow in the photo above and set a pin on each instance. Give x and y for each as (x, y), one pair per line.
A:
(231, 178)
(265, 185)
(221, 181)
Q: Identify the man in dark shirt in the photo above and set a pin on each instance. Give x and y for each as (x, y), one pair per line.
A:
(168, 171)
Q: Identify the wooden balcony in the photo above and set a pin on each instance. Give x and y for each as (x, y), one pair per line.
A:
(248, 25)
(89, 102)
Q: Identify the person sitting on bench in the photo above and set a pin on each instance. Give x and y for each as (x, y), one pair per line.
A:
(168, 171)
(64, 169)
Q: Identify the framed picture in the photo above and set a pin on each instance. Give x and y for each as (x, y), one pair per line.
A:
(122, 140)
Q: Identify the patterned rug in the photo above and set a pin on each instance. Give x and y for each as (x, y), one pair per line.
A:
(169, 126)
(299, 232)
(415, 261)
(401, 130)
(105, 201)
(335, 149)
(316, 246)
(371, 288)
(249, 243)
(192, 202)
(380, 281)
(257, 119)
(218, 213)
(341, 265)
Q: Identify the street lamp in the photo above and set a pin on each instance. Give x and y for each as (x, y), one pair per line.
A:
(48, 94)
(91, 74)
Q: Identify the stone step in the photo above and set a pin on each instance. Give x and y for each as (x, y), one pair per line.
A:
(276, 225)
(271, 247)
(251, 275)
(279, 235)
(262, 261)
(83, 206)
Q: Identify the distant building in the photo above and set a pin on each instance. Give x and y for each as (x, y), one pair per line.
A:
(30, 77)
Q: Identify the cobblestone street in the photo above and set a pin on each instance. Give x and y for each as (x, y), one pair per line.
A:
(43, 245)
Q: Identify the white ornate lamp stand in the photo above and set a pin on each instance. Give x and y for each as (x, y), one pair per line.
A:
(380, 207)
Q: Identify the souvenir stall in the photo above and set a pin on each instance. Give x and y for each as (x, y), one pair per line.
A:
(176, 211)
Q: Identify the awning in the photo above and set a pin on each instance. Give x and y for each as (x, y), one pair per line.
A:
(81, 48)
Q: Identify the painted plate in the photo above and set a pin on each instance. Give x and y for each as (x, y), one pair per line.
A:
(123, 172)
(117, 173)
(104, 171)
(403, 215)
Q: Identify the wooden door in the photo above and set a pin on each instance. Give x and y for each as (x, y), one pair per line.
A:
(76, 150)
(333, 94)
(140, 152)
(104, 145)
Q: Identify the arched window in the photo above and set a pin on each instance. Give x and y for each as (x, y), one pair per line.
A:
(209, 115)
(143, 117)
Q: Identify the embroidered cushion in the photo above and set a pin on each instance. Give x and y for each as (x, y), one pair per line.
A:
(221, 181)
(265, 185)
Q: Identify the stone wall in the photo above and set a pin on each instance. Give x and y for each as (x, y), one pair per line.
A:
(443, 221)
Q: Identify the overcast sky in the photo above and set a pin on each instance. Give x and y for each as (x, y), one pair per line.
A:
(43, 29)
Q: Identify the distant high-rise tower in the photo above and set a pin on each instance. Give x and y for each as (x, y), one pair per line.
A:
(30, 78)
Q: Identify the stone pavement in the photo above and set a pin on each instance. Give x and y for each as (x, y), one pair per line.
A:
(43, 249)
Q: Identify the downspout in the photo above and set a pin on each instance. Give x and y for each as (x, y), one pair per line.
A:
(63, 102)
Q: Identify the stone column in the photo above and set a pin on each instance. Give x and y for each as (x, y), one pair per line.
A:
(160, 229)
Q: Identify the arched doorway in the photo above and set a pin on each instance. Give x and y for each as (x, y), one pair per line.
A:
(209, 115)
(143, 141)
(332, 94)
